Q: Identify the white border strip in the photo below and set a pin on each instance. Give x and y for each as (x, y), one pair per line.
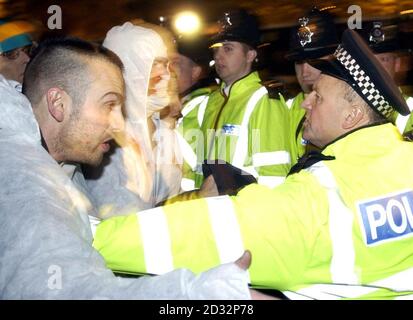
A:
(186, 150)
(401, 121)
(187, 184)
(342, 266)
(241, 148)
(402, 281)
(270, 158)
(201, 110)
(271, 181)
(156, 241)
(225, 228)
(191, 105)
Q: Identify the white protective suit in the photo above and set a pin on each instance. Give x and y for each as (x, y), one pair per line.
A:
(138, 177)
(46, 241)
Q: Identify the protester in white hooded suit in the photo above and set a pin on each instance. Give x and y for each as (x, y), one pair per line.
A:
(146, 169)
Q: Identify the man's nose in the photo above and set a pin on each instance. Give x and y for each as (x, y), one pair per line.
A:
(217, 54)
(308, 101)
(306, 69)
(162, 68)
(165, 69)
(117, 122)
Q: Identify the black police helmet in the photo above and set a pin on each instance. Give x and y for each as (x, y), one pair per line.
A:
(314, 37)
(237, 25)
(195, 49)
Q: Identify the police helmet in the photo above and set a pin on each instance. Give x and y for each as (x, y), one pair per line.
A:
(314, 37)
(195, 48)
(237, 25)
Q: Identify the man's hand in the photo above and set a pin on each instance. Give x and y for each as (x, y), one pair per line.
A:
(244, 263)
(209, 188)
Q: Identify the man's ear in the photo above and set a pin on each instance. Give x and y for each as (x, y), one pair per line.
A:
(251, 55)
(353, 116)
(56, 103)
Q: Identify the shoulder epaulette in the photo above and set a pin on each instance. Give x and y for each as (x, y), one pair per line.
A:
(274, 88)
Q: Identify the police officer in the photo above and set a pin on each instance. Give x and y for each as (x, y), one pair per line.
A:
(190, 64)
(315, 37)
(242, 124)
(15, 45)
(383, 39)
(339, 228)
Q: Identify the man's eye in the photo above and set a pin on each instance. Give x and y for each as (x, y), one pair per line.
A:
(111, 104)
(173, 66)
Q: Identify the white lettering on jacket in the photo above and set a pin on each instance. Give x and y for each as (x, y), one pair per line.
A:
(387, 218)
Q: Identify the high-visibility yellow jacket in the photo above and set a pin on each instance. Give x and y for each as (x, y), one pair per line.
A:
(190, 136)
(340, 228)
(248, 129)
(297, 114)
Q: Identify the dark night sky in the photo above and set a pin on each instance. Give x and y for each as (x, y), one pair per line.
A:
(92, 18)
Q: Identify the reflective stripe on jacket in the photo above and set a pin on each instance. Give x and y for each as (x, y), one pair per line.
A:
(190, 137)
(405, 123)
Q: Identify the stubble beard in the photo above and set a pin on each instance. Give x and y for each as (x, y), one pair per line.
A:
(70, 143)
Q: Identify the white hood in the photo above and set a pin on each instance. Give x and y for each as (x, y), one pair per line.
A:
(137, 47)
(17, 117)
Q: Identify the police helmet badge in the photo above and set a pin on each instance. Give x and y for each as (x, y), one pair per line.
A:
(377, 33)
(227, 19)
(314, 36)
(304, 33)
(225, 24)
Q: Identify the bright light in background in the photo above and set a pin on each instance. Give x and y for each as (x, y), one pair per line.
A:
(187, 22)
(406, 11)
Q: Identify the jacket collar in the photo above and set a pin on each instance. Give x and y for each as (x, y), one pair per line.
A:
(243, 83)
(363, 140)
